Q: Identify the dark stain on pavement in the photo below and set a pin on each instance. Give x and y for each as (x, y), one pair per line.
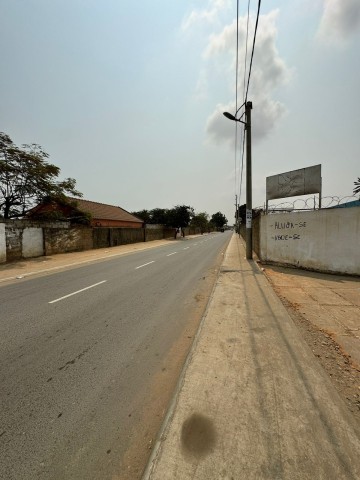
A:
(198, 435)
(71, 362)
(232, 340)
(258, 329)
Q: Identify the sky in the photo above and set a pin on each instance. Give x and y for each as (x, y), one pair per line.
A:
(127, 97)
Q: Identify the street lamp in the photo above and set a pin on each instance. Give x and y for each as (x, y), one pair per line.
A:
(232, 117)
(247, 123)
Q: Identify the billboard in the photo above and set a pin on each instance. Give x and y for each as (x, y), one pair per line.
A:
(297, 182)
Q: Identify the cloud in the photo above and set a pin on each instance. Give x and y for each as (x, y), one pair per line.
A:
(206, 15)
(269, 71)
(340, 21)
(218, 127)
(265, 114)
(201, 86)
(198, 16)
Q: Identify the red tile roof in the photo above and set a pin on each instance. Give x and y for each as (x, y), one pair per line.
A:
(101, 211)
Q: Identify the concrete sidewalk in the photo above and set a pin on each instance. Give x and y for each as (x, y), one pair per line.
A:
(253, 402)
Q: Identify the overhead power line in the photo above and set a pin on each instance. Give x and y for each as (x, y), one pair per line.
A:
(236, 96)
(246, 47)
(244, 83)
(239, 176)
(249, 75)
(253, 48)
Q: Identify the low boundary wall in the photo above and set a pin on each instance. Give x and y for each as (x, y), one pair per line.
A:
(63, 240)
(323, 240)
(24, 239)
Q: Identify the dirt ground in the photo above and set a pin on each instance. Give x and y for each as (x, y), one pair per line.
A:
(326, 309)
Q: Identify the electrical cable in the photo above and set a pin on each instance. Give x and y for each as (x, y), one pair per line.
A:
(249, 75)
(253, 48)
(236, 101)
(246, 48)
(245, 93)
(244, 83)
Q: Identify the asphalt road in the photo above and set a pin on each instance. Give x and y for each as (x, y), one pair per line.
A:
(89, 358)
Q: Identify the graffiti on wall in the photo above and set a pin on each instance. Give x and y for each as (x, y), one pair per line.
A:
(284, 231)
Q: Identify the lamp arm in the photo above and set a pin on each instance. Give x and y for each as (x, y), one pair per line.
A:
(237, 111)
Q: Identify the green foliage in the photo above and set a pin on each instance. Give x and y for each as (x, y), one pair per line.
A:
(27, 178)
(219, 220)
(159, 216)
(200, 220)
(357, 186)
(143, 215)
(180, 216)
(177, 217)
(60, 210)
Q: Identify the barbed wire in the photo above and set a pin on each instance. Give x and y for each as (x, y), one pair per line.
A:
(310, 203)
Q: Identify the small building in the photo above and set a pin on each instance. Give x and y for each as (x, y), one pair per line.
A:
(103, 215)
(78, 210)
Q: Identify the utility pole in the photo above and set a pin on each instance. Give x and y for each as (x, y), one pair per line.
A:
(248, 107)
(236, 214)
(247, 123)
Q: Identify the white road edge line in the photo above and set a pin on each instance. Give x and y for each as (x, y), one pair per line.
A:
(140, 266)
(94, 258)
(186, 248)
(78, 291)
(171, 254)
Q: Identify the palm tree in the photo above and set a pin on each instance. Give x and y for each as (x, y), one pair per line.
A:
(357, 186)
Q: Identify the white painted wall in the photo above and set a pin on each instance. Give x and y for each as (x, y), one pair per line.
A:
(324, 240)
(2, 243)
(32, 242)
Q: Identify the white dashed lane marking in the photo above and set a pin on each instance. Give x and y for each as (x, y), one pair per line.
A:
(78, 291)
(140, 266)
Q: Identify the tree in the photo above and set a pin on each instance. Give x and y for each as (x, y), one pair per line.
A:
(180, 216)
(200, 220)
(219, 220)
(27, 178)
(357, 186)
(156, 216)
(177, 217)
(144, 215)
(159, 216)
(60, 210)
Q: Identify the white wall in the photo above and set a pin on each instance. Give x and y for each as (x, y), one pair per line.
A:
(324, 240)
(32, 242)
(2, 243)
